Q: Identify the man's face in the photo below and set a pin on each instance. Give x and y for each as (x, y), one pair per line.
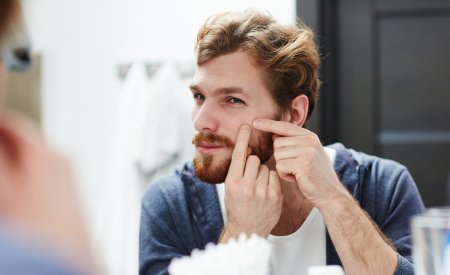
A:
(228, 91)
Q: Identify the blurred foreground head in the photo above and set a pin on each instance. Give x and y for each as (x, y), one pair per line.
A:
(41, 226)
(14, 42)
(9, 12)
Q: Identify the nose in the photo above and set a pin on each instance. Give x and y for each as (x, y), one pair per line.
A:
(205, 117)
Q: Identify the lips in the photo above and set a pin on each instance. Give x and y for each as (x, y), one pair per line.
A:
(208, 148)
(209, 145)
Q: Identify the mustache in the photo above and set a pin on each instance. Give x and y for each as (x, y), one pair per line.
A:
(200, 137)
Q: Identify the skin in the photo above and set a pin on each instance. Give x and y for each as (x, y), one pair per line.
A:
(220, 109)
(226, 98)
(276, 197)
(37, 194)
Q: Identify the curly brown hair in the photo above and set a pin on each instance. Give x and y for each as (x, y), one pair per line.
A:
(8, 10)
(288, 53)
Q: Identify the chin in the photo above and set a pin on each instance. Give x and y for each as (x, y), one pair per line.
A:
(211, 171)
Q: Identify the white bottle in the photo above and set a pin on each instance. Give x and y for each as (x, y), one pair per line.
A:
(446, 256)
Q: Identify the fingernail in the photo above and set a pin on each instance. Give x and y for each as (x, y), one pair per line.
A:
(257, 122)
(245, 128)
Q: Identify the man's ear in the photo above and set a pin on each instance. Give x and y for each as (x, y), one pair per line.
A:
(298, 110)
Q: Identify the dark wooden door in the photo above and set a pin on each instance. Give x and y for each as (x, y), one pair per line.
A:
(387, 82)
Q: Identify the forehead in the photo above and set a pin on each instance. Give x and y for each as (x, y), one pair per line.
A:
(236, 70)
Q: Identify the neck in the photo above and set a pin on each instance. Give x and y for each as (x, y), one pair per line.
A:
(295, 207)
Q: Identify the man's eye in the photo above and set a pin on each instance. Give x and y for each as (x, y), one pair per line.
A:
(198, 97)
(234, 100)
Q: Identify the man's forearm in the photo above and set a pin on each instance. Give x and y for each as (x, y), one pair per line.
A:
(361, 246)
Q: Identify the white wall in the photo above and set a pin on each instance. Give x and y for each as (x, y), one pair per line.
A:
(168, 29)
(77, 40)
(82, 42)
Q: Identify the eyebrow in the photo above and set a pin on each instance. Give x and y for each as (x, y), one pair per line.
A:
(224, 90)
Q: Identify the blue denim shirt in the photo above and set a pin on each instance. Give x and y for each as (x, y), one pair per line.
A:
(181, 213)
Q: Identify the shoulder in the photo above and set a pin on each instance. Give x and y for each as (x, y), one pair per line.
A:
(387, 174)
(171, 185)
(377, 182)
(164, 192)
(377, 168)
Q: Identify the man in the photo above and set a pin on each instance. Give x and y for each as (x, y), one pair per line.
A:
(41, 227)
(255, 87)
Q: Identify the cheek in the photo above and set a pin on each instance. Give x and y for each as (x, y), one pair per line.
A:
(234, 124)
(193, 114)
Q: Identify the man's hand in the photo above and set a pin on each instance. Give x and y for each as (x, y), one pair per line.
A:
(252, 193)
(301, 158)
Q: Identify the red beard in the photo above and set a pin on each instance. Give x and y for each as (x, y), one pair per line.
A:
(203, 165)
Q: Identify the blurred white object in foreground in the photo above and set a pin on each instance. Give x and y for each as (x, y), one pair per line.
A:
(246, 256)
(326, 270)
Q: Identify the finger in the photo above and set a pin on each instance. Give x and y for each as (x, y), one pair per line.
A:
(283, 166)
(280, 142)
(285, 170)
(262, 181)
(263, 175)
(251, 168)
(287, 153)
(239, 156)
(282, 128)
(274, 183)
(275, 136)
